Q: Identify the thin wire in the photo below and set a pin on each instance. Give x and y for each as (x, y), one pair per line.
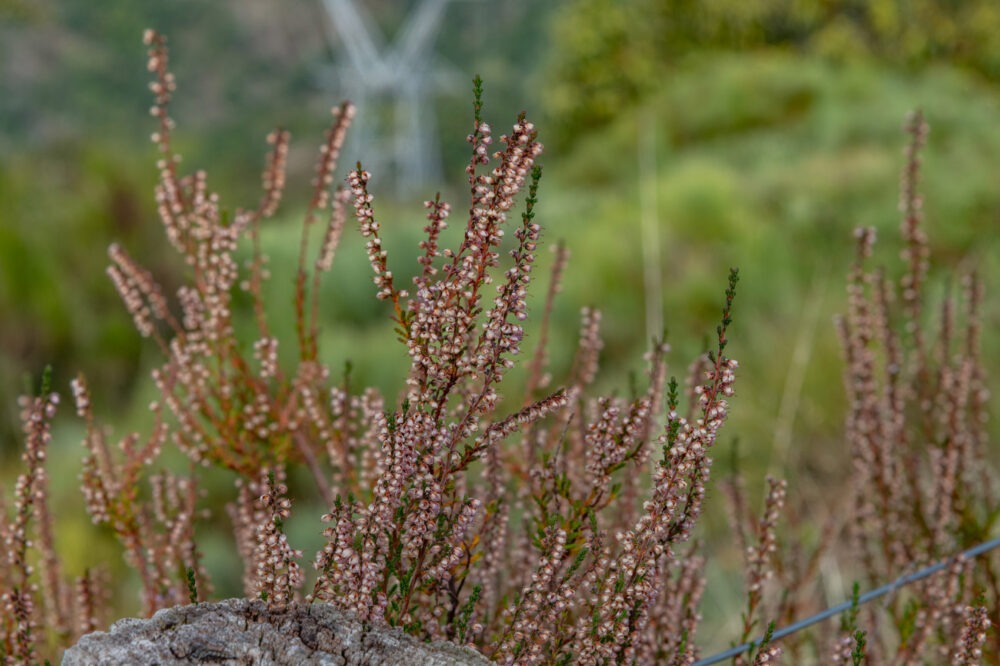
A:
(863, 599)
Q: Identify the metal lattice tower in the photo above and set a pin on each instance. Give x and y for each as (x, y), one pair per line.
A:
(395, 131)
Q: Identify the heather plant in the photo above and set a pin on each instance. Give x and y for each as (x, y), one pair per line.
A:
(520, 564)
(546, 526)
(922, 490)
(922, 485)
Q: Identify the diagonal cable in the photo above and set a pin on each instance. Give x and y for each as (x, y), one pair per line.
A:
(863, 599)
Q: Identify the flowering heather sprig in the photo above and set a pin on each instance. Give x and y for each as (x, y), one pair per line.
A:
(840, 653)
(532, 620)
(442, 316)
(673, 616)
(625, 586)
(31, 504)
(499, 431)
(601, 448)
(940, 612)
(173, 501)
(634, 439)
(278, 575)
(614, 442)
(157, 534)
(915, 432)
(481, 136)
(170, 197)
(969, 649)
(494, 532)
(865, 427)
(766, 653)
(356, 554)
(56, 594)
(93, 594)
(685, 443)
(273, 183)
(325, 168)
(358, 181)
(334, 230)
(915, 252)
(162, 88)
(500, 338)
(353, 447)
(585, 362)
(766, 534)
(266, 352)
(757, 558)
(339, 562)
(273, 177)
(437, 217)
(329, 156)
(18, 622)
(140, 293)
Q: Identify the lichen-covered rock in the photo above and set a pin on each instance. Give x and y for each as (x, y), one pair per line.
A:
(241, 631)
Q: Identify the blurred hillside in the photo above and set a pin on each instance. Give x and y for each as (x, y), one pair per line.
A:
(754, 134)
(774, 132)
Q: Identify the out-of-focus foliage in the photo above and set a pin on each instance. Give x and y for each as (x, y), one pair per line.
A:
(609, 53)
(54, 302)
(768, 161)
(17, 9)
(71, 74)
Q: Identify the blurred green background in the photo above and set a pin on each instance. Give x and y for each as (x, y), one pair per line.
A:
(755, 134)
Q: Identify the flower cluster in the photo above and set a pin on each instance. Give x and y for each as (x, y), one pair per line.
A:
(970, 647)
(278, 575)
(358, 181)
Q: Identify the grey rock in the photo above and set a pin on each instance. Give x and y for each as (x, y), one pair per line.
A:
(246, 632)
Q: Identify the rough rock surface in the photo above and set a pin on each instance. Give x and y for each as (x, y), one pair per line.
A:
(241, 631)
